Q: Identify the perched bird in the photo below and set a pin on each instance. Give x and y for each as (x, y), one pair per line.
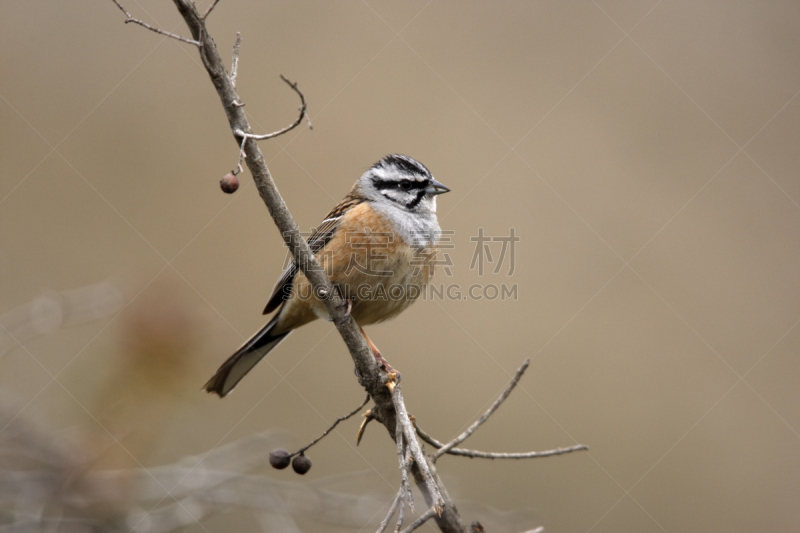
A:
(377, 247)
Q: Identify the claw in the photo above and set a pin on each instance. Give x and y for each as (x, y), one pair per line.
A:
(349, 304)
(368, 417)
(391, 383)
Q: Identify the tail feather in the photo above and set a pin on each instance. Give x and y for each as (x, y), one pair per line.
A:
(245, 358)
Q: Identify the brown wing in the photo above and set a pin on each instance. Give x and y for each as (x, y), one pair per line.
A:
(316, 242)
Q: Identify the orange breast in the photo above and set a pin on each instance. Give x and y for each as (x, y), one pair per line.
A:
(372, 265)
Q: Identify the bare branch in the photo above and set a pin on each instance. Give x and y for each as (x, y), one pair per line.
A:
(210, 9)
(341, 418)
(427, 515)
(405, 488)
(470, 430)
(401, 515)
(521, 455)
(142, 23)
(427, 438)
(497, 455)
(404, 423)
(240, 133)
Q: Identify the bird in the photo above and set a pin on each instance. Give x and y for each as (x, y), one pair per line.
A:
(378, 248)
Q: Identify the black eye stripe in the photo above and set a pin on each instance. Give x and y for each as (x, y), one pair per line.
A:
(395, 184)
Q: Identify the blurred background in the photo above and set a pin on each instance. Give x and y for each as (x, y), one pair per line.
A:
(644, 153)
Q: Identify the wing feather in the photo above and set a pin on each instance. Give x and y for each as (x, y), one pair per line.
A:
(316, 242)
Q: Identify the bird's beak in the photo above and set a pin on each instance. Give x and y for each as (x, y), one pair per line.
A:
(436, 188)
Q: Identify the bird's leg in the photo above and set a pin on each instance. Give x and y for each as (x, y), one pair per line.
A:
(375, 351)
(383, 364)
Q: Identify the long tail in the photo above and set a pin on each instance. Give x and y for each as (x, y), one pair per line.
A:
(245, 358)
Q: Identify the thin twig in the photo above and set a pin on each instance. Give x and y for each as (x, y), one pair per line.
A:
(345, 417)
(235, 59)
(401, 456)
(477, 454)
(131, 18)
(240, 133)
(424, 517)
(470, 430)
(401, 515)
(416, 452)
(210, 9)
(427, 438)
(498, 455)
(392, 509)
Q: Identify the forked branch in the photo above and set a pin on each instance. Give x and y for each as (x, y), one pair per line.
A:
(290, 127)
(449, 448)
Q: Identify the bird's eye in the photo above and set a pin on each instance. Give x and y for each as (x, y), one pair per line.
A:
(405, 185)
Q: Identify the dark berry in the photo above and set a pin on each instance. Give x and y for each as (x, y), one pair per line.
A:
(279, 458)
(301, 464)
(229, 183)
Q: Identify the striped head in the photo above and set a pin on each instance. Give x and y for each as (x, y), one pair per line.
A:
(402, 182)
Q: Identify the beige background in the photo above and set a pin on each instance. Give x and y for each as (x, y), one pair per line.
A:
(645, 152)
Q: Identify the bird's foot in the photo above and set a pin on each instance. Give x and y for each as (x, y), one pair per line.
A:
(348, 304)
(393, 376)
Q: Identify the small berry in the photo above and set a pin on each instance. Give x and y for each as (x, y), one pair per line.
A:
(279, 458)
(229, 184)
(301, 464)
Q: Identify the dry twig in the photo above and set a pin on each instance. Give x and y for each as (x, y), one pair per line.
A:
(424, 517)
(403, 458)
(290, 127)
(129, 18)
(210, 9)
(450, 448)
(401, 515)
(404, 424)
(497, 455)
(340, 419)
